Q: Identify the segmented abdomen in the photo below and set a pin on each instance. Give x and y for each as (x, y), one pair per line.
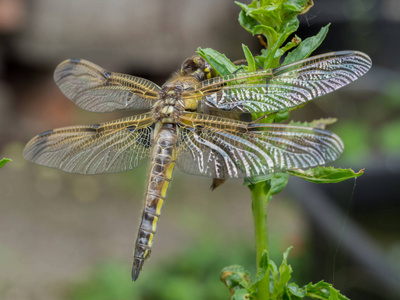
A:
(160, 173)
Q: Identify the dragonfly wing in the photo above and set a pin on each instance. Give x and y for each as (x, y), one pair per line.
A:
(284, 87)
(94, 89)
(109, 147)
(222, 148)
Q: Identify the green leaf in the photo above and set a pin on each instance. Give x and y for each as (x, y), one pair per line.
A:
(282, 115)
(266, 14)
(278, 181)
(241, 294)
(273, 268)
(334, 294)
(292, 9)
(251, 64)
(323, 290)
(273, 55)
(237, 280)
(262, 270)
(289, 45)
(281, 278)
(326, 174)
(290, 26)
(261, 60)
(277, 117)
(320, 290)
(266, 10)
(295, 6)
(320, 123)
(285, 272)
(286, 254)
(221, 64)
(247, 22)
(4, 161)
(295, 290)
(306, 47)
(268, 32)
(235, 277)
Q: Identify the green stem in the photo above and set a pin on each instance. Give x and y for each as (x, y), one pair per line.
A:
(260, 195)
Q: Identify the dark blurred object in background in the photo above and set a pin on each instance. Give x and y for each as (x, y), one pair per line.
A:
(13, 14)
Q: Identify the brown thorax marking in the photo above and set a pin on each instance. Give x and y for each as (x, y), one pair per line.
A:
(170, 105)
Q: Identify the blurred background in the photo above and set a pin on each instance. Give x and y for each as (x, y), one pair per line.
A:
(66, 236)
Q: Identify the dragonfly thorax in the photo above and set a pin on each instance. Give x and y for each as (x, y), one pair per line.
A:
(170, 105)
(167, 109)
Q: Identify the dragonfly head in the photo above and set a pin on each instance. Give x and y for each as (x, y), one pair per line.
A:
(198, 68)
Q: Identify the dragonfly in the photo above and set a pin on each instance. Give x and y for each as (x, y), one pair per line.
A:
(187, 123)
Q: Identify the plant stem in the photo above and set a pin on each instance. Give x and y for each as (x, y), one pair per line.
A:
(260, 195)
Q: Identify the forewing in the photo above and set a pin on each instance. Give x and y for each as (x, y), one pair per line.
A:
(94, 89)
(109, 147)
(284, 87)
(222, 148)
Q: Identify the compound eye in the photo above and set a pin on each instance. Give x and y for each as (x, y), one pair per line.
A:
(192, 64)
(198, 67)
(199, 62)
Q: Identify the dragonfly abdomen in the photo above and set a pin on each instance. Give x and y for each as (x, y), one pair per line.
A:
(160, 173)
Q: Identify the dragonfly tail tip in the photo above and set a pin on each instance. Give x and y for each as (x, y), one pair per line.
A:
(135, 274)
(137, 267)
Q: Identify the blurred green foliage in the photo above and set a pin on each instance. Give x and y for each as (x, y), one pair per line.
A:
(190, 275)
(373, 127)
(186, 276)
(389, 135)
(355, 137)
(390, 138)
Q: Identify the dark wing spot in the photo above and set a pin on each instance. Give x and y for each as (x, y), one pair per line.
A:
(90, 129)
(245, 117)
(46, 132)
(131, 128)
(198, 129)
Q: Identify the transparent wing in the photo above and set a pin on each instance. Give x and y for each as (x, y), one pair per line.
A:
(94, 89)
(284, 87)
(222, 148)
(109, 147)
